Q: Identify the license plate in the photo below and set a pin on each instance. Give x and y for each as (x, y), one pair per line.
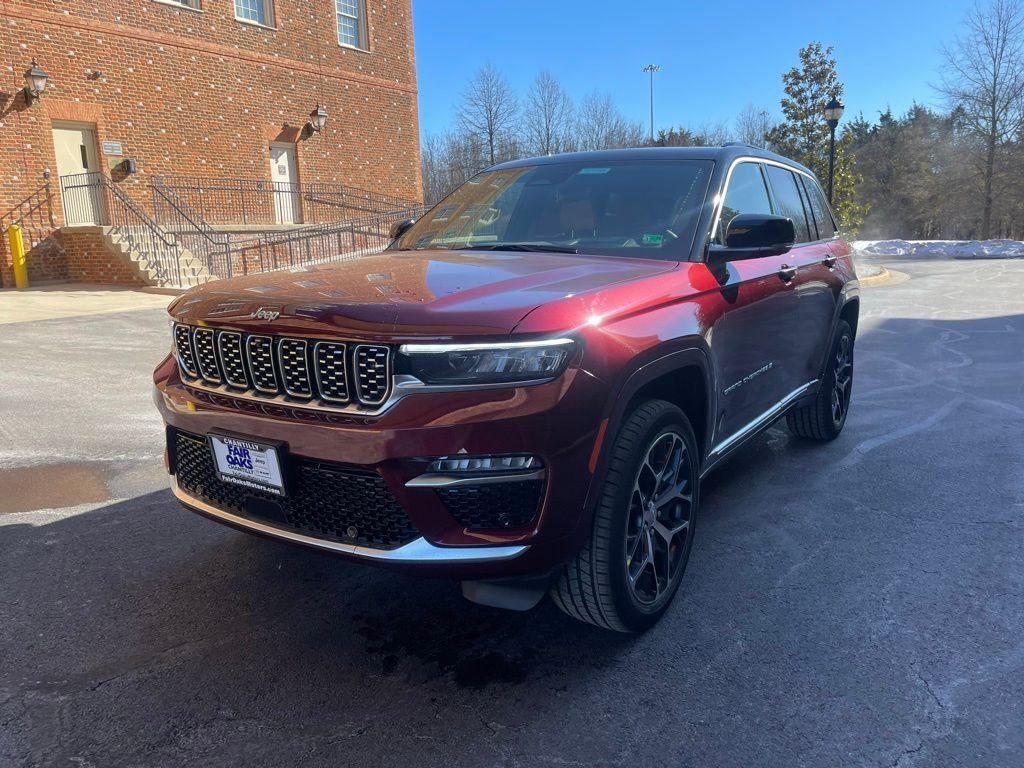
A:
(249, 464)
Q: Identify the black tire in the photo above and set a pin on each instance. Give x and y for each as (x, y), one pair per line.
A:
(602, 585)
(824, 418)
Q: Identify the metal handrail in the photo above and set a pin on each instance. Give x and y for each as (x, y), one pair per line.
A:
(126, 219)
(222, 200)
(189, 227)
(320, 244)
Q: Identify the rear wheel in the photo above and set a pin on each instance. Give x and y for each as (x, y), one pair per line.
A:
(824, 418)
(626, 575)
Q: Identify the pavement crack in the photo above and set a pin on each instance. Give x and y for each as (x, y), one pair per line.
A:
(906, 754)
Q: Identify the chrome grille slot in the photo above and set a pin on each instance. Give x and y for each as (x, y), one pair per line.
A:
(372, 373)
(229, 344)
(204, 342)
(294, 367)
(183, 350)
(260, 351)
(334, 375)
(330, 370)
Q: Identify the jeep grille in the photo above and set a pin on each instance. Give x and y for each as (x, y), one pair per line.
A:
(300, 370)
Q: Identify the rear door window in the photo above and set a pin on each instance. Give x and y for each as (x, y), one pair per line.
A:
(789, 201)
(746, 193)
(822, 215)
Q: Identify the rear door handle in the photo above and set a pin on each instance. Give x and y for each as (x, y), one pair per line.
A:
(787, 273)
(829, 261)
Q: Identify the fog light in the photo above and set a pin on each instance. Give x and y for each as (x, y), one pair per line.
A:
(485, 464)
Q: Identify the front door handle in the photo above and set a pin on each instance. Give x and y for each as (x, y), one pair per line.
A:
(829, 261)
(787, 273)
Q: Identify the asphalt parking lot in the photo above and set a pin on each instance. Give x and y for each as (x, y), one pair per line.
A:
(857, 604)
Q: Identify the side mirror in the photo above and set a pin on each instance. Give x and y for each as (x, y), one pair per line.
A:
(753, 235)
(399, 228)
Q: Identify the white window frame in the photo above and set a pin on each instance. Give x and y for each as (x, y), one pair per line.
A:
(187, 5)
(268, 13)
(362, 25)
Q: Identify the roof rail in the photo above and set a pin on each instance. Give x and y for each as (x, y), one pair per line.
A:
(742, 144)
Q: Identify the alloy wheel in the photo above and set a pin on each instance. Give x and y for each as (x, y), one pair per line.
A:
(658, 524)
(843, 379)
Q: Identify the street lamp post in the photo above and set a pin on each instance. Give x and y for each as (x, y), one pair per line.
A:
(833, 113)
(651, 69)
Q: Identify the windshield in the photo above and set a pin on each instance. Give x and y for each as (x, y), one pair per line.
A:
(645, 209)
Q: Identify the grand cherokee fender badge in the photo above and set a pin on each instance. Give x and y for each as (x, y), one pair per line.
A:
(748, 378)
(265, 314)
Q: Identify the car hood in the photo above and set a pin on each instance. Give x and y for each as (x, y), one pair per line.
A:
(407, 294)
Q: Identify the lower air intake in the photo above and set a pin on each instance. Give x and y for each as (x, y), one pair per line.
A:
(324, 501)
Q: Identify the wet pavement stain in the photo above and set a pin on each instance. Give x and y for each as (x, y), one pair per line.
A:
(50, 486)
(445, 654)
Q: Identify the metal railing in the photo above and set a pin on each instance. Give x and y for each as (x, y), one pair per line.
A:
(90, 198)
(253, 201)
(34, 214)
(319, 244)
(190, 229)
(177, 229)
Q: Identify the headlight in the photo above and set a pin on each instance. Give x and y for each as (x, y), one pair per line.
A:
(488, 363)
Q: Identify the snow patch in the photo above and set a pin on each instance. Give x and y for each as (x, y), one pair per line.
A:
(942, 249)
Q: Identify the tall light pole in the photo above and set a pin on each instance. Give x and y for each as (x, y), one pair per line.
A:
(651, 69)
(833, 112)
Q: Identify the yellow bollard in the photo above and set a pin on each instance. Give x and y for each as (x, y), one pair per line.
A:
(18, 256)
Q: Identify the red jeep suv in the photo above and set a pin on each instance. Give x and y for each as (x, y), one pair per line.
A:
(524, 391)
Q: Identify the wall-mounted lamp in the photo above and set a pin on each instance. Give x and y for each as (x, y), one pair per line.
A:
(318, 119)
(35, 82)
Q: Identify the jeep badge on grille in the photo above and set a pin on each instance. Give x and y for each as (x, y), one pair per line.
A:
(265, 314)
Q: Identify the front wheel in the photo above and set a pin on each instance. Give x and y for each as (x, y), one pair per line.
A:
(824, 418)
(626, 575)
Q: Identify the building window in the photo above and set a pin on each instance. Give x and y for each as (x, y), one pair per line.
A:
(351, 23)
(191, 4)
(256, 11)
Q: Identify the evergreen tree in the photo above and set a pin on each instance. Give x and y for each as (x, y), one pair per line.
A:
(804, 136)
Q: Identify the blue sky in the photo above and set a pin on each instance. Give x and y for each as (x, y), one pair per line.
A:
(716, 57)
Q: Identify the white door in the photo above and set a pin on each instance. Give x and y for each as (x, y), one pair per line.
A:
(285, 183)
(78, 168)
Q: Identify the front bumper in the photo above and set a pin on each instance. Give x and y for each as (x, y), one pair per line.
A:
(418, 551)
(557, 421)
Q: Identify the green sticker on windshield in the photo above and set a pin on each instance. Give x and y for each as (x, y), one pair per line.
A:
(655, 240)
(590, 171)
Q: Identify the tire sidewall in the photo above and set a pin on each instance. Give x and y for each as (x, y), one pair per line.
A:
(843, 329)
(633, 614)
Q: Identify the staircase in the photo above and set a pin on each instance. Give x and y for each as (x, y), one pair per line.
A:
(126, 245)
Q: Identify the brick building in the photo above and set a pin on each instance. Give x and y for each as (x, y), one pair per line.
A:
(196, 89)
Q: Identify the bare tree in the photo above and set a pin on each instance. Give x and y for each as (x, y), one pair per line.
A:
(488, 112)
(600, 125)
(753, 126)
(984, 83)
(548, 115)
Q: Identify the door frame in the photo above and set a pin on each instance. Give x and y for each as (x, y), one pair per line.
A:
(92, 193)
(294, 196)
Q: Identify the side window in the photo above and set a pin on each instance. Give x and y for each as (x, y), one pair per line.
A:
(820, 209)
(746, 193)
(789, 200)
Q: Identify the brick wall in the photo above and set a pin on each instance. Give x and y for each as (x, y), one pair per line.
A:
(202, 94)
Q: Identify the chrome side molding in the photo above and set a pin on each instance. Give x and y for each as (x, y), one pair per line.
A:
(722, 449)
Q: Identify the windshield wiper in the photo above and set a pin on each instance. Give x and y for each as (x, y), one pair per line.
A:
(541, 247)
